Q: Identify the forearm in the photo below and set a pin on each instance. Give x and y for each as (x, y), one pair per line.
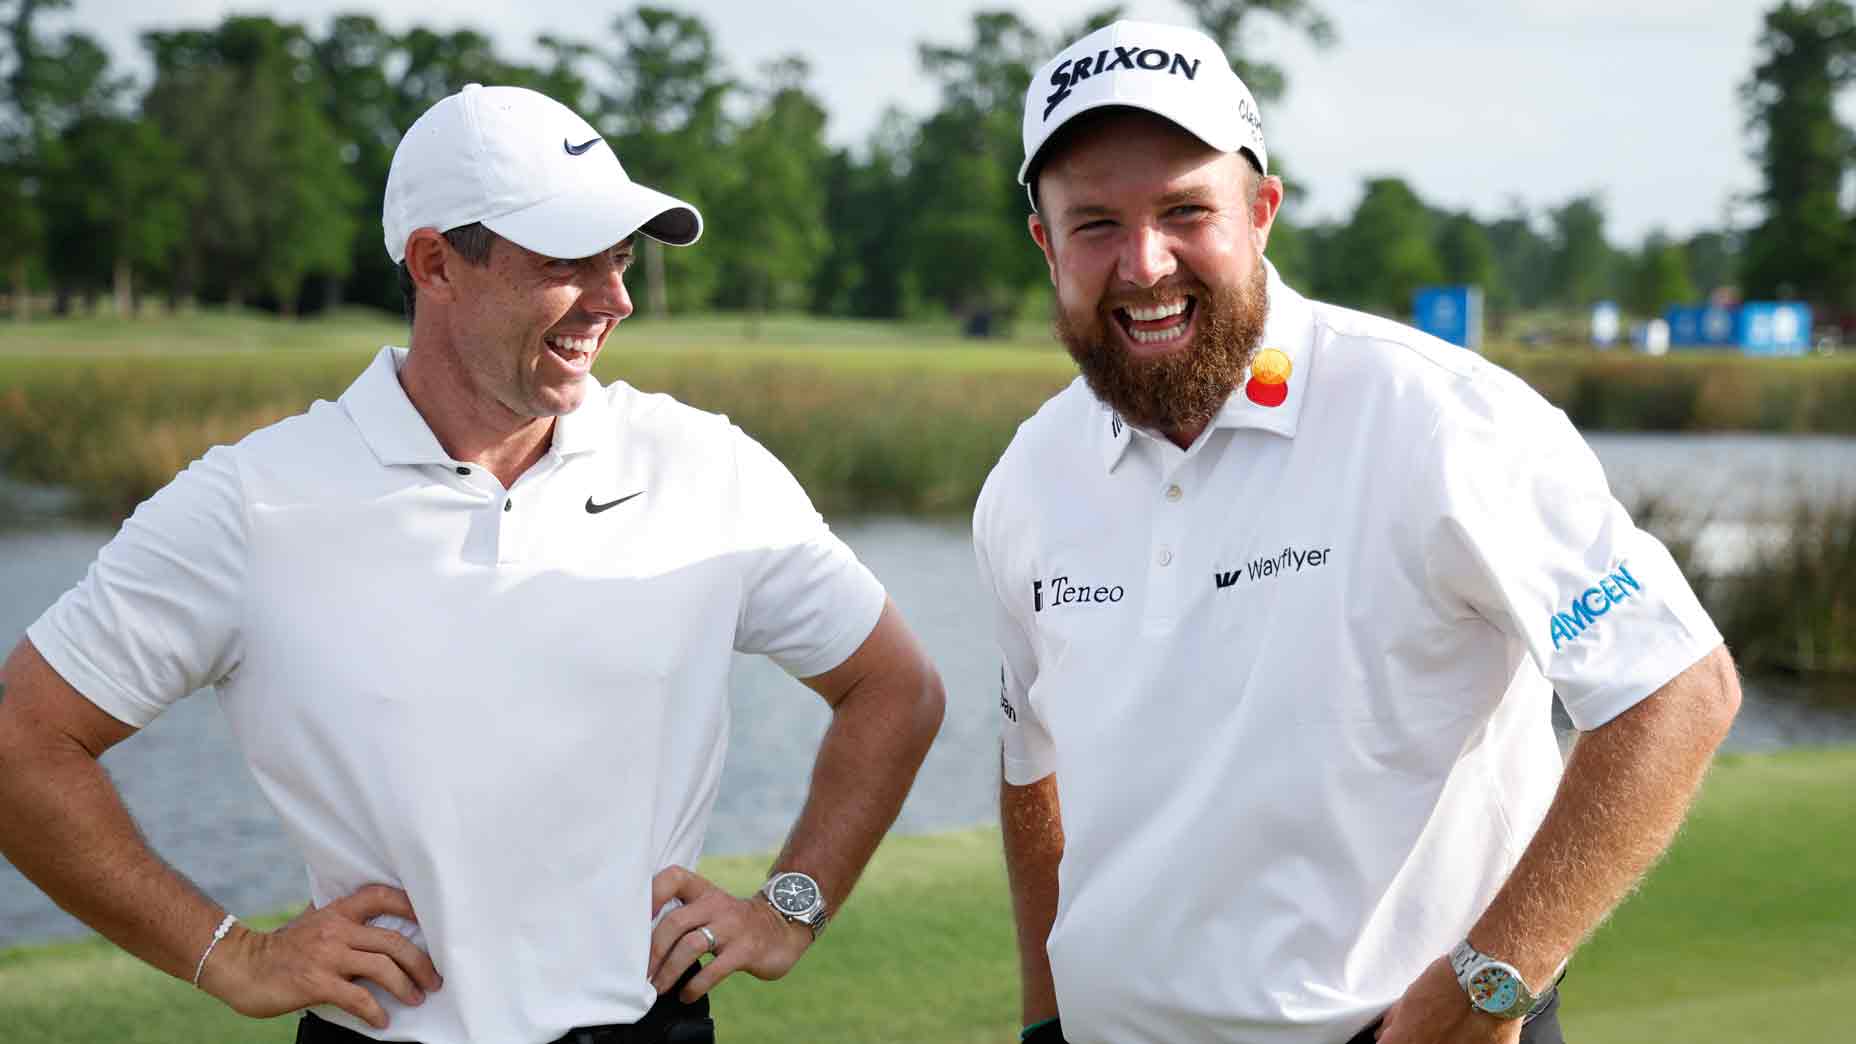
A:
(1626, 789)
(1031, 824)
(878, 736)
(63, 825)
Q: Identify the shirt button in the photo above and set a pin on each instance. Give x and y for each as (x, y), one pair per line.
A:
(510, 504)
(1166, 557)
(1173, 493)
(462, 470)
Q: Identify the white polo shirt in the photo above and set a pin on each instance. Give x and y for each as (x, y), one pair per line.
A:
(1295, 681)
(510, 703)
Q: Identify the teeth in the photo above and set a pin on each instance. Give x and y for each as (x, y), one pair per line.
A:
(572, 344)
(1158, 336)
(1166, 311)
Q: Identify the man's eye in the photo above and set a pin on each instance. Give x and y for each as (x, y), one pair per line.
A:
(1186, 210)
(1094, 226)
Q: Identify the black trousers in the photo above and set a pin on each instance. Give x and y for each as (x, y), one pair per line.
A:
(1541, 1027)
(670, 1021)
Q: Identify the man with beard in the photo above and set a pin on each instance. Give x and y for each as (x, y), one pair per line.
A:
(1284, 594)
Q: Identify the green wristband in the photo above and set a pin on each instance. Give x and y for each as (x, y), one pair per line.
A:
(1025, 1034)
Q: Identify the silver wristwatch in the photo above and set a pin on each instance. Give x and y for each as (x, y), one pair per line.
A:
(1493, 986)
(796, 897)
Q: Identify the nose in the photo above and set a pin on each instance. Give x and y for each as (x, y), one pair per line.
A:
(1146, 257)
(606, 294)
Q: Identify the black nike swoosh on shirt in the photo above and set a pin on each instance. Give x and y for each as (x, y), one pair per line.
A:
(575, 150)
(594, 509)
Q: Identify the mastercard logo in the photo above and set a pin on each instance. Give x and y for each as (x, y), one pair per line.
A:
(1269, 378)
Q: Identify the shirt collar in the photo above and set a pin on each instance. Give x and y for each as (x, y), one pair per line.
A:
(396, 432)
(1289, 329)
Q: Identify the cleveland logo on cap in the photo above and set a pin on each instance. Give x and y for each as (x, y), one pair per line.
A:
(1151, 59)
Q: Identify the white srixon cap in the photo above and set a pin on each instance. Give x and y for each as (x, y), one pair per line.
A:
(530, 170)
(1168, 70)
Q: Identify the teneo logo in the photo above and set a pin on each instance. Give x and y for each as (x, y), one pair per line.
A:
(1594, 602)
(1011, 714)
(1290, 561)
(1073, 71)
(1063, 592)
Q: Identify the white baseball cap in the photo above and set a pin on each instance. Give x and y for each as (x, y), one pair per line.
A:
(530, 170)
(1168, 70)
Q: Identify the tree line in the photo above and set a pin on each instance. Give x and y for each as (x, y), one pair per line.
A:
(250, 168)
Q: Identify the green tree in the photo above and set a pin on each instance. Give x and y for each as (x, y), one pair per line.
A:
(663, 108)
(865, 269)
(50, 85)
(1223, 21)
(1805, 245)
(1467, 256)
(277, 201)
(1711, 259)
(115, 200)
(1659, 277)
(1583, 264)
(969, 248)
(774, 205)
(1523, 262)
(1385, 252)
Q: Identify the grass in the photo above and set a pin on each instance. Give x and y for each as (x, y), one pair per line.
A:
(1742, 934)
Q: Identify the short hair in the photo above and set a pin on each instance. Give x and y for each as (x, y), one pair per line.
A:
(1083, 122)
(473, 243)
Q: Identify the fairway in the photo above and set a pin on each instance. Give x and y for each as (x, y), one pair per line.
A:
(1743, 934)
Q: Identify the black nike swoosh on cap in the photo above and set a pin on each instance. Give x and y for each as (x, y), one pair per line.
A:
(594, 509)
(575, 150)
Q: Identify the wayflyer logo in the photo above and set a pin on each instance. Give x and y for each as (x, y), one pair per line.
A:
(1269, 378)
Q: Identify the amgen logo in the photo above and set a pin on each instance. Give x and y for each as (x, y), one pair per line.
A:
(1592, 603)
(1152, 59)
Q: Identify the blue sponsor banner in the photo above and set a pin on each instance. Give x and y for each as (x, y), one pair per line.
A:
(1684, 326)
(1774, 328)
(1450, 313)
(1718, 326)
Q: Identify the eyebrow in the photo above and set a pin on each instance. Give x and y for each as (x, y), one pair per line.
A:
(1195, 194)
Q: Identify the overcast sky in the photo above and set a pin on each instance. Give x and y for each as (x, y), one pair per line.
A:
(1477, 104)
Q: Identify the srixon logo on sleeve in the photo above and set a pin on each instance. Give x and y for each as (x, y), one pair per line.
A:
(1072, 71)
(1588, 605)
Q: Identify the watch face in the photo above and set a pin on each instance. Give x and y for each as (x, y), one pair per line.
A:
(794, 894)
(1494, 989)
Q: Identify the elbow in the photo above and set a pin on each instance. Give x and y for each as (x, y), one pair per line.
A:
(930, 707)
(1726, 703)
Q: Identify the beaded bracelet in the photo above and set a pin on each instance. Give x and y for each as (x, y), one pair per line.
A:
(218, 934)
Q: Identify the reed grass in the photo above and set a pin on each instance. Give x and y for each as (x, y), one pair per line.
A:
(869, 416)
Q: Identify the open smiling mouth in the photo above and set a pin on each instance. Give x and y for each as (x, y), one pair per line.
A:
(575, 350)
(1158, 324)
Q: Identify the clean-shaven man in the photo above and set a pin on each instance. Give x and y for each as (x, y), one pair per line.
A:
(471, 625)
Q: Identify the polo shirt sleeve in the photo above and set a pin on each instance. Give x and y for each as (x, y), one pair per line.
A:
(1531, 540)
(1027, 752)
(807, 603)
(157, 615)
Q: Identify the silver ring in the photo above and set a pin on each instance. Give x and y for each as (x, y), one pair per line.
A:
(707, 934)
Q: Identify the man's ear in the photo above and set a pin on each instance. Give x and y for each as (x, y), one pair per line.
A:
(1041, 236)
(1264, 209)
(428, 261)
